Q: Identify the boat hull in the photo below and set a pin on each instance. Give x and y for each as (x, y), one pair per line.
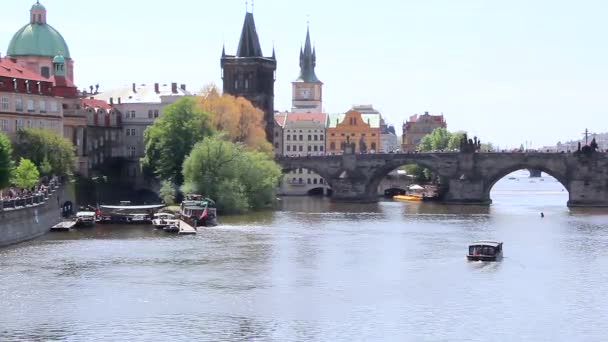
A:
(488, 258)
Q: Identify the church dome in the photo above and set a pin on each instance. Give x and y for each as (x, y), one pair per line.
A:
(38, 38)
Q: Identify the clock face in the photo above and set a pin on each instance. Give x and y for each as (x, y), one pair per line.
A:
(305, 93)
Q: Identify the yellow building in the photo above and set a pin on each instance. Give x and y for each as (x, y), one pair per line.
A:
(360, 131)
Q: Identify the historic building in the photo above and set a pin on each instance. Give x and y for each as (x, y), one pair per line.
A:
(251, 75)
(388, 138)
(279, 123)
(41, 49)
(359, 131)
(27, 100)
(104, 138)
(417, 127)
(139, 106)
(307, 89)
(303, 135)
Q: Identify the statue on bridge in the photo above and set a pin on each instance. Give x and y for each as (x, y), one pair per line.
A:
(469, 145)
(588, 149)
(362, 146)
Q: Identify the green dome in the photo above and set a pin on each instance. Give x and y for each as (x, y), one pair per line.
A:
(38, 6)
(38, 40)
(59, 59)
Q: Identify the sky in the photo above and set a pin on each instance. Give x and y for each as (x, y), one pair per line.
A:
(510, 72)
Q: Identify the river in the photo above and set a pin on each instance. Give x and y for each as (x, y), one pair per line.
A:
(318, 271)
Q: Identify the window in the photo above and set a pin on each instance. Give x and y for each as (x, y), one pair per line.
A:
(30, 106)
(130, 132)
(5, 103)
(300, 180)
(309, 148)
(316, 148)
(4, 125)
(300, 170)
(293, 180)
(301, 137)
(150, 114)
(276, 134)
(314, 181)
(309, 137)
(54, 107)
(288, 148)
(332, 146)
(30, 124)
(42, 106)
(374, 146)
(300, 148)
(321, 148)
(309, 181)
(321, 137)
(156, 114)
(18, 104)
(19, 123)
(333, 135)
(373, 134)
(276, 145)
(288, 137)
(45, 71)
(132, 151)
(320, 180)
(316, 137)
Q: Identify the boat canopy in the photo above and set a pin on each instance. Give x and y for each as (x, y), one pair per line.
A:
(486, 243)
(85, 213)
(133, 207)
(416, 187)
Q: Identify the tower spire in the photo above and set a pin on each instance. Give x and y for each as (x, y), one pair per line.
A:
(249, 44)
(308, 60)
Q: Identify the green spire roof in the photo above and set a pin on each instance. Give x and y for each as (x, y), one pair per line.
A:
(308, 62)
(38, 6)
(59, 59)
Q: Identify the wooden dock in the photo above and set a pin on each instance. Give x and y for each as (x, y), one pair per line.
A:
(185, 228)
(63, 226)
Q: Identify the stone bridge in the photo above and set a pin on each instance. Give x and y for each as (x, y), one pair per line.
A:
(464, 177)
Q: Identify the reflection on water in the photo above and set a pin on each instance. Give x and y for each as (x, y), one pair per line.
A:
(320, 271)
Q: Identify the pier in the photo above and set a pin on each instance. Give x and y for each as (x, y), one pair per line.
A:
(185, 228)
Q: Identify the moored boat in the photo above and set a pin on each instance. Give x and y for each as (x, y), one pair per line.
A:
(172, 228)
(85, 218)
(201, 211)
(161, 220)
(63, 226)
(409, 198)
(485, 251)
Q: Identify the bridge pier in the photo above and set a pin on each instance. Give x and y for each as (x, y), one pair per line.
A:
(588, 194)
(352, 191)
(466, 192)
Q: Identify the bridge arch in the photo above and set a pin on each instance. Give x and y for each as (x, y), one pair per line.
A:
(495, 176)
(383, 171)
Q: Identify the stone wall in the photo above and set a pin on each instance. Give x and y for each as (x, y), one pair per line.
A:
(25, 223)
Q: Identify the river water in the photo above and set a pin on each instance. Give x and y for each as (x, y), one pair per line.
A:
(319, 271)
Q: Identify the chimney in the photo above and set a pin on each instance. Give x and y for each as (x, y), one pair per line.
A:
(119, 102)
(174, 88)
(111, 101)
(134, 88)
(183, 87)
(156, 88)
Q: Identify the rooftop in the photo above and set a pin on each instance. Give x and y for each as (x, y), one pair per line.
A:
(8, 68)
(142, 93)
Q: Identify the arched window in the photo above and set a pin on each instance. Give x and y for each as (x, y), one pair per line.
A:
(314, 181)
(308, 181)
(301, 181)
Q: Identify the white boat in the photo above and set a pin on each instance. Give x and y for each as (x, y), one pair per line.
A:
(172, 228)
(85, 219)
(161, 220)
(138, 218)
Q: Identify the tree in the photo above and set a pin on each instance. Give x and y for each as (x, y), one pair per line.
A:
(26, 174)
(167, 192)
(45, 168)
(6, 161)
(237, 117)
(171, 138)
(237, 178)
(455, 139)
(438, 140)
(418, 172)
(40, 145)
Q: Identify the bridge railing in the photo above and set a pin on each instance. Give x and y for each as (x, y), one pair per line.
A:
(28, 201)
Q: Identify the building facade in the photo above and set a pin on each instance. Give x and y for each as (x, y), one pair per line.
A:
(359, 131)
(303, 135)
(104, 139)
(307, 89)
(388, 139)
(251, 75)
(27, 100)
(417, 127)
(139, 106)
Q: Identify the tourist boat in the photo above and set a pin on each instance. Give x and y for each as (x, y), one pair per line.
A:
(485, 251)
(138, 218)
(199, 209)
(161, 220)
(409, 198)
(127, 213)
(172, 228)
(85, 218)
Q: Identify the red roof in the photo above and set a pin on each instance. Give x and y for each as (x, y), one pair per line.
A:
(8, 68)
(293, 117)
(96, 104)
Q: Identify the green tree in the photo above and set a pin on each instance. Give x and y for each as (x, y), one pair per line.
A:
(6, 161)
(171, 138)
(239, 179)
(46, 168)
(437, 140)
(167, 192)
(26, 174)
(418, 172)
(455, 139)
(39, 145)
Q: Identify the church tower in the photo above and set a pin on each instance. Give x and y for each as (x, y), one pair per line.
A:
(251, 75)
(307, 90)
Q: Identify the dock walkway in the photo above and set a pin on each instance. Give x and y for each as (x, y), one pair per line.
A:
(185, 228)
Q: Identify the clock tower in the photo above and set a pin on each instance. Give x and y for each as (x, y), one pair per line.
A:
(307, 94)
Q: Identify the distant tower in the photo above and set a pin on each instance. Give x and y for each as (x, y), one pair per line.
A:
(307, 90)
(251, 75)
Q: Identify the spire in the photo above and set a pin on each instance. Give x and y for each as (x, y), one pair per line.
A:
(223, 50)
(249, 45)
(38, 14)
(274, 56)
(308, 61)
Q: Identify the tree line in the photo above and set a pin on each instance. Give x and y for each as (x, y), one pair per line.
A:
(213, 144)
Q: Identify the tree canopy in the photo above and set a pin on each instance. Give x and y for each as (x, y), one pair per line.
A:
(46, 149)
(26, 174)
(6, 161)
(236, 117)
(239, 179)
(171, 138)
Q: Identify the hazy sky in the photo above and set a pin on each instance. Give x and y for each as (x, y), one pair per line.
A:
(507, 71)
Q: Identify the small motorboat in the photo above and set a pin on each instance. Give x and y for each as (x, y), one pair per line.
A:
(161, 220)
(172, 228)
(85, 218)
(409, 198)
(485, 251)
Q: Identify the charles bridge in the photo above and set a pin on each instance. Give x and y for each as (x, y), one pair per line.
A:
(464, 177)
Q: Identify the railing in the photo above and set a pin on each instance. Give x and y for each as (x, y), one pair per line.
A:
(29, 201)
